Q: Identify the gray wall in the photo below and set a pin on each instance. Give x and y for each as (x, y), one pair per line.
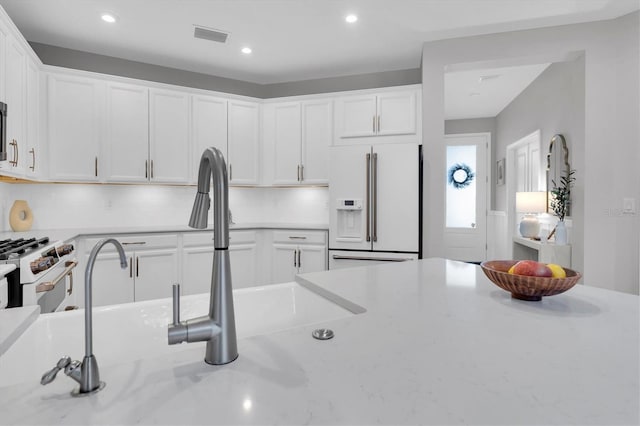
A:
(68, 58)
(608, 155)
(553, 103)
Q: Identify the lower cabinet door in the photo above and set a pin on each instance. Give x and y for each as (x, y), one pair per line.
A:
(110, 283)
(243, 258)
(284, 263)
(197, 265)
(312, 259)
(155, 272)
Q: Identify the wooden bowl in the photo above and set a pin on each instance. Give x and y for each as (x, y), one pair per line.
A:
(525, 287)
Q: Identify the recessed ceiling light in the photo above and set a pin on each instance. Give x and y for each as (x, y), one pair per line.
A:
(351, 18)
(246, 50)
(107, 17)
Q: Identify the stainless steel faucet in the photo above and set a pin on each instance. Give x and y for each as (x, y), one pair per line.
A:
(86, 373)
(218, 329)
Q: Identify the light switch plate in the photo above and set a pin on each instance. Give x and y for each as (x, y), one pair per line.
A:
(629, 206)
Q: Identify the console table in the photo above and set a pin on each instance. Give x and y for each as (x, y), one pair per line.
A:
(527, 249)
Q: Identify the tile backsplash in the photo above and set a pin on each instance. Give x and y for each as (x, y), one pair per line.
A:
(60, 206)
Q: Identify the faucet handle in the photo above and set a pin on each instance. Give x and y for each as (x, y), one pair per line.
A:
(176, 304)
(50, 375)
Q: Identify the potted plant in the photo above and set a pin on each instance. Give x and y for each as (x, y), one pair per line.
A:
(560, 202)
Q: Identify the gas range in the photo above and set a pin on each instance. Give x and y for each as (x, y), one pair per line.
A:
(37, 260)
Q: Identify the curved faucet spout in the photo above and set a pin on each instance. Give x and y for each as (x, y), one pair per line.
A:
(88, 334)
(212, 164)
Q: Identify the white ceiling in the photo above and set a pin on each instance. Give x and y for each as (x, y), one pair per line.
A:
(485, 92)
(291, 39)
(306, 39)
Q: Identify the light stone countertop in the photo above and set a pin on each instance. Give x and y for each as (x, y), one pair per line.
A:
(71, 233)
(438, 344)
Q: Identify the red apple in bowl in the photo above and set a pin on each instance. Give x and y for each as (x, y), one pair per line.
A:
(532, 268)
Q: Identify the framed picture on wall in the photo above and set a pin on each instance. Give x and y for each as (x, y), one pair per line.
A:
(500, 172)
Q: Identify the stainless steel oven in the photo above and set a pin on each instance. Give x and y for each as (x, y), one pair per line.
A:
(43, 274)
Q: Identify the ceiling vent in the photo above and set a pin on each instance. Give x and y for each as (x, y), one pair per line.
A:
(210, 34)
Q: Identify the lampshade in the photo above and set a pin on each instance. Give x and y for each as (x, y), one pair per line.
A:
(531, 202)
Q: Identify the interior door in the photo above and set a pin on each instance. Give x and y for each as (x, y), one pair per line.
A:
(348, 169)
(466, 197)
(395, 193)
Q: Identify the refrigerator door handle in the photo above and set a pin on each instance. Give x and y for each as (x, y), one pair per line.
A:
(368, 193)
(378, 259)
(374, 197)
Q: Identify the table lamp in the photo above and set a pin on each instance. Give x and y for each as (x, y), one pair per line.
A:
(530, 203)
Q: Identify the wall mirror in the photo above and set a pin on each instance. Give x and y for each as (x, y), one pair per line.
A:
(557, 164)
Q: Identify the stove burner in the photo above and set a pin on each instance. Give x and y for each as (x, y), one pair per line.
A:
(16, 248)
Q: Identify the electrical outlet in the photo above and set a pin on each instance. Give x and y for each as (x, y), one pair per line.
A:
(629, 206)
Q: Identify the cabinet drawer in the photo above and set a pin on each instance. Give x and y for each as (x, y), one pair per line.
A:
(198, 239)
(300, 237)
(135, 242)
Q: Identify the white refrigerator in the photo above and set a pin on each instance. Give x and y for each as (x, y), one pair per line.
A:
(375, 204)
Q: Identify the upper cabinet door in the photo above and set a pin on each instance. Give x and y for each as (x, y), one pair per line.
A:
(33, 161)
(287, 141)
(243, 145)
(15, 98)
(209, 128)
(317, 134)
(356, 116)
(396, 113)
(126, 148)
(74, 127)
(168, 136)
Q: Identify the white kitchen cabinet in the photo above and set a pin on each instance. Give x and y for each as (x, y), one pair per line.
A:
(126, 143)
(169, 125)
(208, 127)
(301, 134)
(152, 268)
(34, 153)
(378, 115)
(296, 252)
(15, 74)
(243, 142)
(197, 260)
(74, 127)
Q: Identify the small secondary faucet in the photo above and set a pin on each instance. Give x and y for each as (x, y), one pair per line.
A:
(218, 329)
(86, 373)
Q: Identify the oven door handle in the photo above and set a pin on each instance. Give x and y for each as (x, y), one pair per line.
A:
(50, 285)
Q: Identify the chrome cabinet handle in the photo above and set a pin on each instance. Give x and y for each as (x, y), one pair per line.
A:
(367, 192)
(132, 243)
(374, 196)
(301, 172)
(298, 172)
(137, 266)
(378, 130)
(151, 169)
(294, 259)
(96, 166)
(374, 124)
(32, 151)
(131, 267)
(299, 260)
(296, 237)
(230, 172)
(381, 259)
(146, 169)
(14, 144)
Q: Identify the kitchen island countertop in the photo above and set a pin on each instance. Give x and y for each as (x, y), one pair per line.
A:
(438, 344)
